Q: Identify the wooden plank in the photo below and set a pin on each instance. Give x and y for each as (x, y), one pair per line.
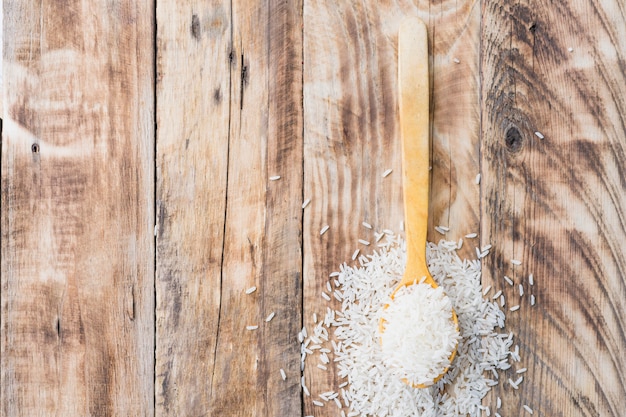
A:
(455, 121)
(77, 332)
(351, 135)
(193, 94)
(557, 203)
(238, 72)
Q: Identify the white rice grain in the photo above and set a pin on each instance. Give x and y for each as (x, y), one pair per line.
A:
(270, 316)
(366, 225)
(252, 327)
(250, 290)
(324, 229)
(306, 203)
(387, 172)
(283, 374)
(275, 178)
(516, 262)
(539, 135)
(528, 409)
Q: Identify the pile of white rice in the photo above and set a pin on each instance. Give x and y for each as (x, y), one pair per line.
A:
(419, 334)
(348, 339)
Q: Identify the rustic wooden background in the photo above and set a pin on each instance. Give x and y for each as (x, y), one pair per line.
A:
(137, 144)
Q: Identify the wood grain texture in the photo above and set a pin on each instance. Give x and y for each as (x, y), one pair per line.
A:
(77, 209)
(352, 137)
(193, 93)
(230, 117)
(557, 204)
(454, 29)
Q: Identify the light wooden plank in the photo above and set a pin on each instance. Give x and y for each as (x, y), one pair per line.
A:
(77, 209)
(455, 121)
(193, 104)
(231, 87)
(351, 135)
(557, 203)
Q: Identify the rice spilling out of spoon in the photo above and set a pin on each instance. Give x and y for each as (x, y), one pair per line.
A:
(368, 384)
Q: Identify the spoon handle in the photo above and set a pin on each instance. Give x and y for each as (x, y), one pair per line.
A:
(414, 130)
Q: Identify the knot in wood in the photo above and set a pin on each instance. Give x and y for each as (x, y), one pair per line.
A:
(513, 139)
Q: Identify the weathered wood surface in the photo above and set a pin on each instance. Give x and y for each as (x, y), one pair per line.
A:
(229, 96)
(306, 91)
(77, 209)
(557, 204)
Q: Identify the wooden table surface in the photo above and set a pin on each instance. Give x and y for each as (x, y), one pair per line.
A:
(122, 115)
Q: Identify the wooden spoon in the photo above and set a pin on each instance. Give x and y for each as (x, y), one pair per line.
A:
(414, 130)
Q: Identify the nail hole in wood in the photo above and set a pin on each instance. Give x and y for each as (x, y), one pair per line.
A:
(513, 139)
(34, 148)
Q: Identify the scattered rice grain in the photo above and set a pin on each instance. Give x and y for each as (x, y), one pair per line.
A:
(324, 229)
(275, 177)
(387, 172)
(306, 203)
